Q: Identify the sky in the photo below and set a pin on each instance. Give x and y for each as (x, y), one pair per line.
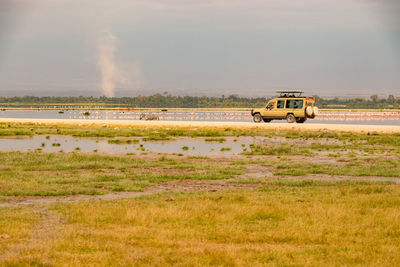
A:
(190, 47)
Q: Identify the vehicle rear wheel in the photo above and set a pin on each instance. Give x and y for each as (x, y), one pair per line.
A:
(309, 111)
(257, 117)
(290, 118)
(266, 120)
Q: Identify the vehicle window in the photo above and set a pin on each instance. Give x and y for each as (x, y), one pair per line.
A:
(299, 104)
(294, 104)
(289, 103)
(281, 104)
(271, 105)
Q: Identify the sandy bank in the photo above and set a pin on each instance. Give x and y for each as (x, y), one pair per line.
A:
(213, 124)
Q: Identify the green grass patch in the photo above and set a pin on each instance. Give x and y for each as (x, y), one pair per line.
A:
(278, 150)
(355, 167)
(44, 174)
(219, 140)
(124, 141)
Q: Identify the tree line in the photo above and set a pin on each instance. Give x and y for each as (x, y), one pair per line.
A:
(169, 101)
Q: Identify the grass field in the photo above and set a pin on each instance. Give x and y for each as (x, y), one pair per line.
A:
(317, 198)
(278, 225)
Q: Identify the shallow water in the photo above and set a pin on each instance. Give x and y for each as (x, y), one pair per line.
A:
(196, 146)
(361, 118)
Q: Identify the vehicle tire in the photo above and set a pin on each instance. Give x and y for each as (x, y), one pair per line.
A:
(290, 118)
(309, 111)
(302, 120)
(266, 120)
(257, 118)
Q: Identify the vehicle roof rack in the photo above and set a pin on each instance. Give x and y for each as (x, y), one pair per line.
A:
(289, 93)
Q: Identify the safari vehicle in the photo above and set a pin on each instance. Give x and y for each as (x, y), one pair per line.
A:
(290, 106)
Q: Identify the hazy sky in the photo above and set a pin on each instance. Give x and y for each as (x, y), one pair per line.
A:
(192, 47)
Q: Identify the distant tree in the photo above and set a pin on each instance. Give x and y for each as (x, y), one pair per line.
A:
(374, 98)
(169, 101)
(234, 96)
(391, 99)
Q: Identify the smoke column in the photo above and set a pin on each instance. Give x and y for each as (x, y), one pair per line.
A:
(106, 63)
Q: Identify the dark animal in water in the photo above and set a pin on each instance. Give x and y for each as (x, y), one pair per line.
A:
(149, 117)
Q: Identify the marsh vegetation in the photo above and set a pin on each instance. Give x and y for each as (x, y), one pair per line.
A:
(292, 198)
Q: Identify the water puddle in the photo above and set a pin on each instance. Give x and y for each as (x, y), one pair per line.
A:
(199, 146)
(185, 145)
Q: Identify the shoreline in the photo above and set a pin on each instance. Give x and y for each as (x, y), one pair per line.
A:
(88, 108)
(388, 129)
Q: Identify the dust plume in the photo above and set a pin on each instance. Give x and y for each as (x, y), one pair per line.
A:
(106, 63)
(114, 73)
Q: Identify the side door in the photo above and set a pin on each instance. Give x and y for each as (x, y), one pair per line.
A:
(295, 106)
(277, 110)
(269, 109)
(299, 108)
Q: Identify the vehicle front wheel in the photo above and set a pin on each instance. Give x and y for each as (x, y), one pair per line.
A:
(257, 117)
(290, 118)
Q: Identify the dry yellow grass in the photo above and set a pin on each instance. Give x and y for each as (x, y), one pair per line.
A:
(280, 225)
(15, 226)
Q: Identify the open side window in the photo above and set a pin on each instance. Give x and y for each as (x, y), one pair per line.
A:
(281, 104)
(290, 104)
(299, 103)
(294, 104)
(270, 105)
